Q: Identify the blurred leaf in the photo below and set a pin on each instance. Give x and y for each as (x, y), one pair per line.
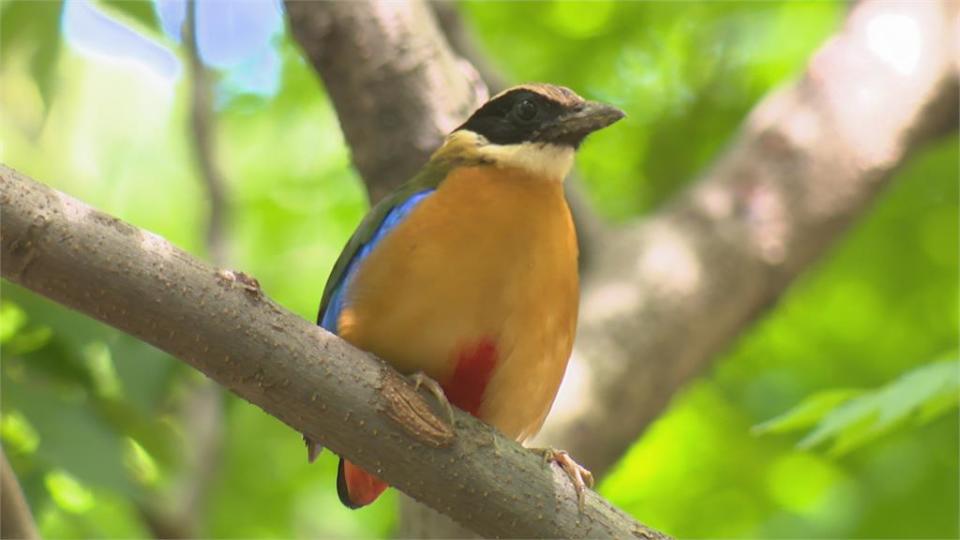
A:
(29, 340)
(810, 411)
(100, 365)
(141, 11)
(90, 387)
(33, 28)
(17, 434)
(68, 492)
(140, 463)
(15, 337)
(852, 420)
(687, 74)
(12, 319)
(112, 516)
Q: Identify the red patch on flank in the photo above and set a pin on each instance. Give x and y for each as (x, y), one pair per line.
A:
(475, 364)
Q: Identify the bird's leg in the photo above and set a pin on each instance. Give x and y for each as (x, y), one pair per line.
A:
(496, 443)
(579, 476)
(421, 379)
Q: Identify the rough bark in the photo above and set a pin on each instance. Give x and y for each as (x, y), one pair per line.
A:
(16, 520)
(663, 296)
(175, 510)
(666, 294)
(414, 90)
(590, 226)
(671, 292)
(220, 322)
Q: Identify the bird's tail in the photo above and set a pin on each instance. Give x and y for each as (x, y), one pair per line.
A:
(356, 486)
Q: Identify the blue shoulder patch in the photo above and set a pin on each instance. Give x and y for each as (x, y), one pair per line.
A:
(392, 219)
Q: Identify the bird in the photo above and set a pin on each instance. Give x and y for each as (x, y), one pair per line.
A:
(466, 275)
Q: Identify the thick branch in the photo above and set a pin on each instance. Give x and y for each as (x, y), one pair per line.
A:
(221, 323)
(174, 511)
(670, 292)
(412, 84)
(673, 291)
(16, 520)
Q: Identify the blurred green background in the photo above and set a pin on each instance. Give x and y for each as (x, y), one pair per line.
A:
(835, 416)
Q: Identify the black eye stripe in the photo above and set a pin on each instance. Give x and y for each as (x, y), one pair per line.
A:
(505, 103)
(500, 121)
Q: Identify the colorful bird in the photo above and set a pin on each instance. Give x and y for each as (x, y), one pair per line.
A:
(467, 273)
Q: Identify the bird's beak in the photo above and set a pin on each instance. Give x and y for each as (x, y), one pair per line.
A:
(573, 126)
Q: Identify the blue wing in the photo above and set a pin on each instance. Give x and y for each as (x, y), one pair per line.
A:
(330, 316)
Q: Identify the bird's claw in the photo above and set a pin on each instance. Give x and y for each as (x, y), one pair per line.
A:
(579, 476)
(313, 449)
(422, 379)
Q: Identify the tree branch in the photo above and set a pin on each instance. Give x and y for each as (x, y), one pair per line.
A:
(221, 323)
(666, 294)
(590, 226)
(464, 43)
(663, 296)
(175, 510)
(673, 291)
(16, 520)
(414, 89)
(204, 142)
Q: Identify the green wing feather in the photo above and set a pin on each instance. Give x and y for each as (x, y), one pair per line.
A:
(429, 178)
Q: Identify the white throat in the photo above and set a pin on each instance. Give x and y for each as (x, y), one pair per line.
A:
(550, 161)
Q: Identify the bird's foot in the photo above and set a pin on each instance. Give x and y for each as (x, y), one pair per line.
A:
(421, 379)
(313, 449)
(579, 476)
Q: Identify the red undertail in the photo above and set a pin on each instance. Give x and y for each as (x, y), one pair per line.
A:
(475, 365)
(356, 487)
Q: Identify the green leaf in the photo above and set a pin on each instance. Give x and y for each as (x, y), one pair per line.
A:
(852, 420)
(15, 336)
(19, 437)
(30, 340)
(33, 28)
(139, 463)
(12, 319)
(68, 493)
(810, 411)
(141, 12)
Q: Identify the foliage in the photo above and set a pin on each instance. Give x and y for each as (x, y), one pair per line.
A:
(89, 416)
(852, 418)
(881, 306)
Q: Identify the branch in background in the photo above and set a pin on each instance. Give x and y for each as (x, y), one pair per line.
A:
(16, 520)
(667, 294)
(176, 511)
(590, 227)
(416, 520)
(204, 141)
(464, 43)
(221, 323)
(664, 296)
(673, 291)
(413, 90)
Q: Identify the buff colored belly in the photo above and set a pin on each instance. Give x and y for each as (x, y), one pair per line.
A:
(490, 258)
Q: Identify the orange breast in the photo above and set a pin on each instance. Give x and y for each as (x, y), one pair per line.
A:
(486, 264)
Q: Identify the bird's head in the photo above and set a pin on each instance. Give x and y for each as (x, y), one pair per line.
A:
(536, 127)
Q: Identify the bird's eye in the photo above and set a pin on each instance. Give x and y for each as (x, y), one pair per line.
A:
(525, 110)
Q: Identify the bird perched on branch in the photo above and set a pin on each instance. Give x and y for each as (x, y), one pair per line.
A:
(467, 274)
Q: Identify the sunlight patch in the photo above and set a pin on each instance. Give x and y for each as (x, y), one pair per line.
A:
(156, 244)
